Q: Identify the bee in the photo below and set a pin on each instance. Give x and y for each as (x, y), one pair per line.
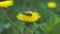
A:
(27, 14)
(2, 0)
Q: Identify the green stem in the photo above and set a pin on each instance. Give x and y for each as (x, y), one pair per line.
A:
(27, 27)
(11, 22)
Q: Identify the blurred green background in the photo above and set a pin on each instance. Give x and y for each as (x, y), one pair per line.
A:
(49, 23)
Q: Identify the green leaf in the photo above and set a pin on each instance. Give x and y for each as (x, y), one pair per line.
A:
(56, 19)
(56, 29)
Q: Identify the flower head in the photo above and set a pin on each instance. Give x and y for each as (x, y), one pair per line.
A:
(51, 4)
(28, 16)
(6, 3)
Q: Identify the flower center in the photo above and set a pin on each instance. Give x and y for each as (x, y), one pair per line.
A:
(27, 14)
(2, 0)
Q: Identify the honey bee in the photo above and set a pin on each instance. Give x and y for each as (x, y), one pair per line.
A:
(2, 0)
(27, 14)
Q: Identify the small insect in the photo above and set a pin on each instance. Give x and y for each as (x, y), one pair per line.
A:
(2, 0)
(27, 14)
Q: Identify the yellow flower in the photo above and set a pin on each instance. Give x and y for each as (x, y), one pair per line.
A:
(28, 16)
(6, 3)
(51, 4)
